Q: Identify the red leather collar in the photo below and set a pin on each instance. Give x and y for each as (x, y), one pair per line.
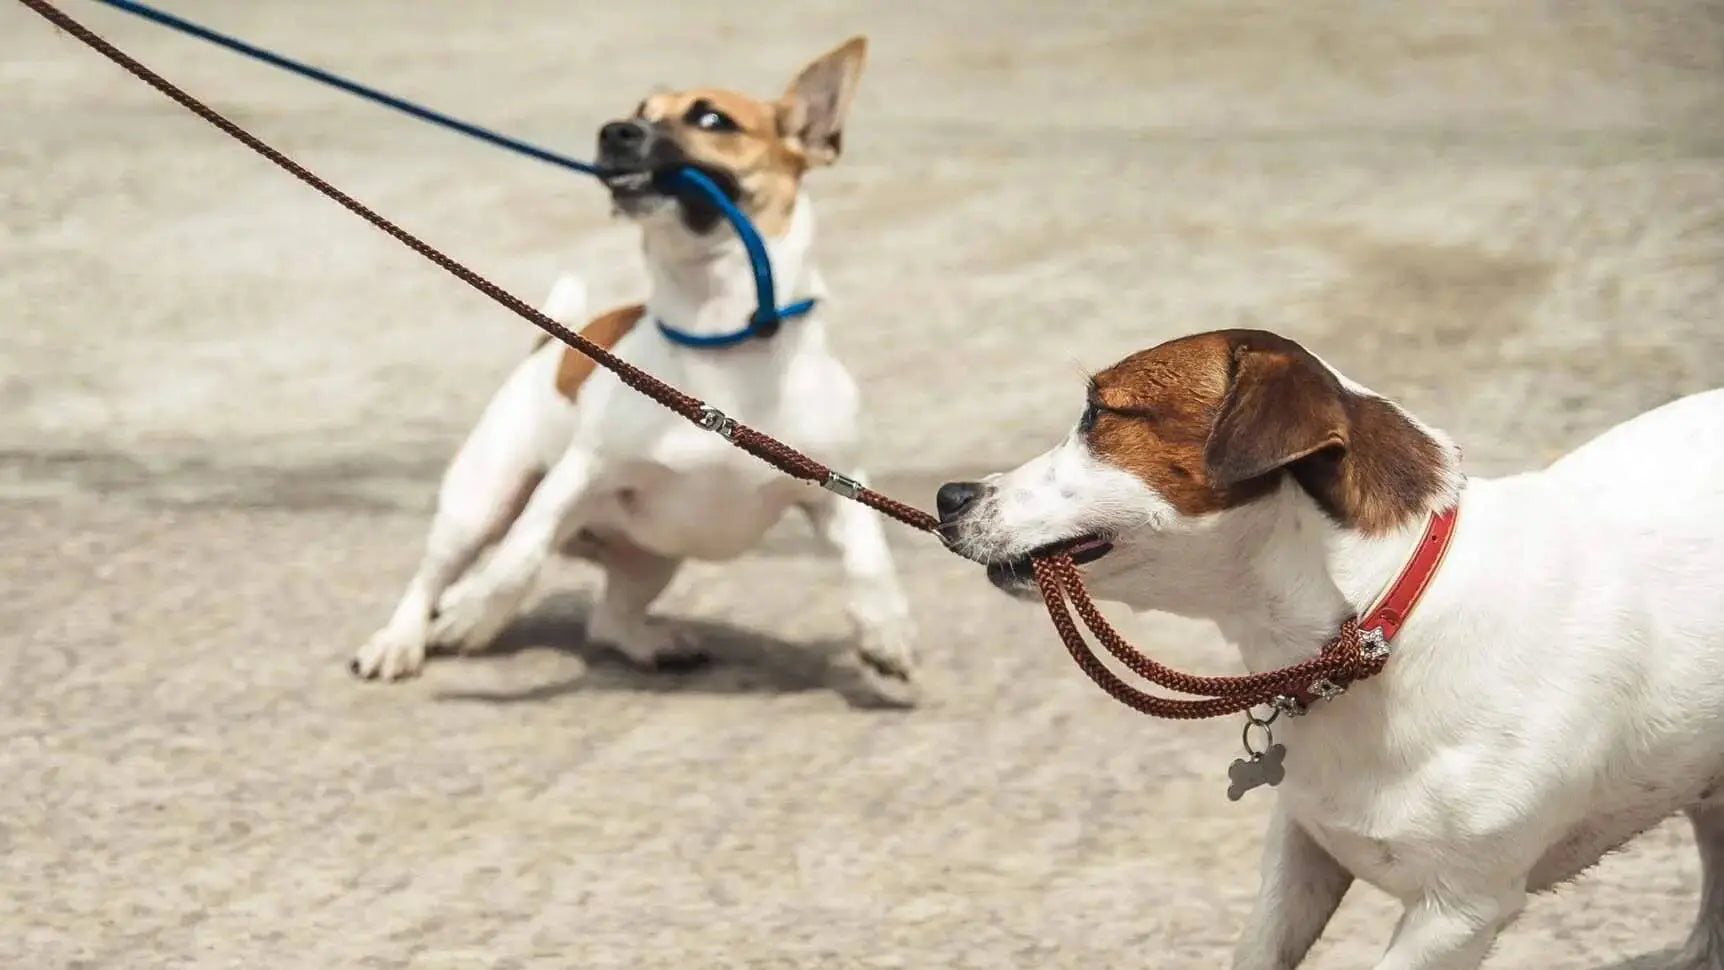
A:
(1364, 640)
(1389, 613)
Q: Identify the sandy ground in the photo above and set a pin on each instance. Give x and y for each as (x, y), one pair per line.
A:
(225, 404)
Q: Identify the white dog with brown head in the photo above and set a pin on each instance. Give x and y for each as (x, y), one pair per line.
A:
(567, 459)
(1558, 689)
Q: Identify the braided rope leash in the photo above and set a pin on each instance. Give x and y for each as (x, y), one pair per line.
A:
(1056, 575)
(1343, 660)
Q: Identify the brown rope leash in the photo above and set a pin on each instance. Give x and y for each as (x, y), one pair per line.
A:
(1340, 661)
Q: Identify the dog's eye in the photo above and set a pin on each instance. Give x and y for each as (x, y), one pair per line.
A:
(707, 118)
(1087, 420)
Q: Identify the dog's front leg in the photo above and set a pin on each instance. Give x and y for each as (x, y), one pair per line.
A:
(885, 633)
(1301, 887)
(487, 484)
(1452, 929)
(475, 610)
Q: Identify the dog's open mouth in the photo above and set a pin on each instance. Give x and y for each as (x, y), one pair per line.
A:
(664, 180)
(636, 191)
(1083, 550)
(629, 183)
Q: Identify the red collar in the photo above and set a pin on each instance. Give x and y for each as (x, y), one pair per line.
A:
(1387, 615)
(1370, 633)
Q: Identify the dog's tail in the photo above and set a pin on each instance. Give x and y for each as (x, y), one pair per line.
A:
(567, 302)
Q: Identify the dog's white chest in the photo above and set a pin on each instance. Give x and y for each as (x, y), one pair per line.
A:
(694, 494)
(712, 513)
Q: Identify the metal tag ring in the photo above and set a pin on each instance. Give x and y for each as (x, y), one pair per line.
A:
(1268, 736)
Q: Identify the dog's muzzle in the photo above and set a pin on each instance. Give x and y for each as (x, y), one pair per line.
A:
(641, 164)
(953, 501)
(957, 500)
(625, 156)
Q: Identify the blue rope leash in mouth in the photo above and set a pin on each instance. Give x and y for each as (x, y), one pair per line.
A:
(767, 314)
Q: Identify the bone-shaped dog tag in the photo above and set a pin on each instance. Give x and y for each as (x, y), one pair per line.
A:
(1264, 768)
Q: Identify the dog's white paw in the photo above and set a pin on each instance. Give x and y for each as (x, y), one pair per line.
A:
(888, 648)
(885, 656)
(470, 615)
(390, 654)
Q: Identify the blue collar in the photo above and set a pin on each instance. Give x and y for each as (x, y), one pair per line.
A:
(762, 324)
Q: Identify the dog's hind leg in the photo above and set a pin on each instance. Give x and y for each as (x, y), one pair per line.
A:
(634, 578)
(483, 490)
(1705, 947)
(472, 612)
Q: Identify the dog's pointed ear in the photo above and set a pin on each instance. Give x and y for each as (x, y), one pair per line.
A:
(1281, 406)
(812, 110)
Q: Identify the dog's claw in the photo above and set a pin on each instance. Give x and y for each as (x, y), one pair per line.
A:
(886, 667)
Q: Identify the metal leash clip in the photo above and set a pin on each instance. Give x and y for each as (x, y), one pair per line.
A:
(842, 484)
(716, 421)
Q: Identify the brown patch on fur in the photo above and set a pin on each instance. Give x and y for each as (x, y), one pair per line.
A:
(1156, 409)
(1212, 421)
(605, 330)
(767, 145)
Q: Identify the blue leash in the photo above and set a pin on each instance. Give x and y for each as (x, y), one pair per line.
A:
(767, 315)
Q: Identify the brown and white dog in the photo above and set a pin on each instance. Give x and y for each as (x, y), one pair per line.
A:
(1558, 689)
(567, 459)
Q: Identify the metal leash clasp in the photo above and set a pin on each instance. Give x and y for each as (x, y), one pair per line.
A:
(842, 484)
(716, 421)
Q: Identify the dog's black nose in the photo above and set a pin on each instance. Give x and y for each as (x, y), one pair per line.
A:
(955, 497)
(622, 137)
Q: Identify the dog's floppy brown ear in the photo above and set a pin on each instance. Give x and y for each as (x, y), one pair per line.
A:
(1281, 406)
(813, 107)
